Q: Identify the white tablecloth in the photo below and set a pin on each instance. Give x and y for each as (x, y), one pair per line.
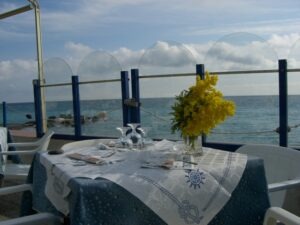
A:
(185, 194)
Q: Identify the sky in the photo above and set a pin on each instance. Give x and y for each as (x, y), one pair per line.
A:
(96, 39)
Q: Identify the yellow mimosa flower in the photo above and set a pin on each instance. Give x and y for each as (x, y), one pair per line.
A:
(199, 109)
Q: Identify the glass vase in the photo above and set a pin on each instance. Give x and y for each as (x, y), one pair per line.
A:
(193, 146)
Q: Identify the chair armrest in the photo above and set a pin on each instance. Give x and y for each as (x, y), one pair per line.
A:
(15, 189)
(36, 219)
(23, 144)
(283, 185)
(275, 214)
(23, 152)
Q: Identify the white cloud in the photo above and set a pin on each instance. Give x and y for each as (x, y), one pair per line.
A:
(75, 54)
(12, 68)
(77, 49)
(84, 14)
(241, 51)
(128, 58)
(161, 58)
(284, 43)
(16, 80)
(263, 27)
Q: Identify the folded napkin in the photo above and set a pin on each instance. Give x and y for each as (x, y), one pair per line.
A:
(86, 158)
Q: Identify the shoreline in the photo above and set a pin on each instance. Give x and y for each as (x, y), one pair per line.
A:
(30, 133)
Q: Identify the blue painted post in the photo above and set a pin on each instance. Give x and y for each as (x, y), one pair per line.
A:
(76, 107)
(200, 71)
(125, 96)
(4, 114)
(283, 103)
(135, 91)
(38, 107)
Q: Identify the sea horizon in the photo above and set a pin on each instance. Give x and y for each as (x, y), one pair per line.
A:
(255, 121)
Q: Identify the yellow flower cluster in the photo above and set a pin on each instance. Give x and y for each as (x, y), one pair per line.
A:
(198, 110)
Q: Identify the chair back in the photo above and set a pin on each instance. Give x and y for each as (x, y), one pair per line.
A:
(3, 143)
(277, 216)
(84, 144)
(45, 140)
(280, 163)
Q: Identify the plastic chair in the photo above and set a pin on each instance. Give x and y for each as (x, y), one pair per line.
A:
(282, 167)
(36, 219)
(13, 170)
(276, 214)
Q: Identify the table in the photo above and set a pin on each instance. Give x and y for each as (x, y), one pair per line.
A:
(102, 201)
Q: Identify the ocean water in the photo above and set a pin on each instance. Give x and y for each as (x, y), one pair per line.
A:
(255, 120)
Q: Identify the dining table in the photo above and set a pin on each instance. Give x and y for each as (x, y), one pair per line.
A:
(98, 182)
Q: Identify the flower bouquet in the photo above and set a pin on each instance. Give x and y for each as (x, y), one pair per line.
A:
(199, 109)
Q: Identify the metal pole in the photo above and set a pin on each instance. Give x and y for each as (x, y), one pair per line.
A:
(125, 95)
(41, 78)
(76, 107)
(4, 114)
(200, 71)
(35, 5)
(135, 87)
(283, 103)
(37, 107)
(15, 12)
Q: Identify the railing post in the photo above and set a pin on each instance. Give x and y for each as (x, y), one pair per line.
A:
(38, 107)
(4, 114)
(76, 107)
(125, 95)
(283, 103)
(200, 71)
(135, 91)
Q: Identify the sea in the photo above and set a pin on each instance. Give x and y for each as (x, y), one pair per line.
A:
(255, 121)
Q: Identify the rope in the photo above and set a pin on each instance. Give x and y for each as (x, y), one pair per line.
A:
(213, 132)
(250, 132)
(295, 126)
(154, 115)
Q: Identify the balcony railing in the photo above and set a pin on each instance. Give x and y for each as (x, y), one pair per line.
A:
(131, 107)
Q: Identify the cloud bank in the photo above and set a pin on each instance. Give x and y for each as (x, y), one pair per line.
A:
(161, 58)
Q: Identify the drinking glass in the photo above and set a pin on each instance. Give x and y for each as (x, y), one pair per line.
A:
(145, 139)
(124, 141)
(135, 137)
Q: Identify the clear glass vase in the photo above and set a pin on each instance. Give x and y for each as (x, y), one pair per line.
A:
(193, 146)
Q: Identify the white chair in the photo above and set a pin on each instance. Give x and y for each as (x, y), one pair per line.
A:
(36, 219)
(12, 170)
(276, 214)
(282, 167)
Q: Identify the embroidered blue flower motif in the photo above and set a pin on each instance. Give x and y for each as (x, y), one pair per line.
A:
(190, 213)
(195, 178)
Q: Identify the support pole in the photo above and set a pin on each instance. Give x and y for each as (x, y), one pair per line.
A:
(37, 107)
(41, 78)
(125, 96)
(34, 4)
(135, 87)
(283, 103)
(76, 107)
(4, 114)
(200, 71)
